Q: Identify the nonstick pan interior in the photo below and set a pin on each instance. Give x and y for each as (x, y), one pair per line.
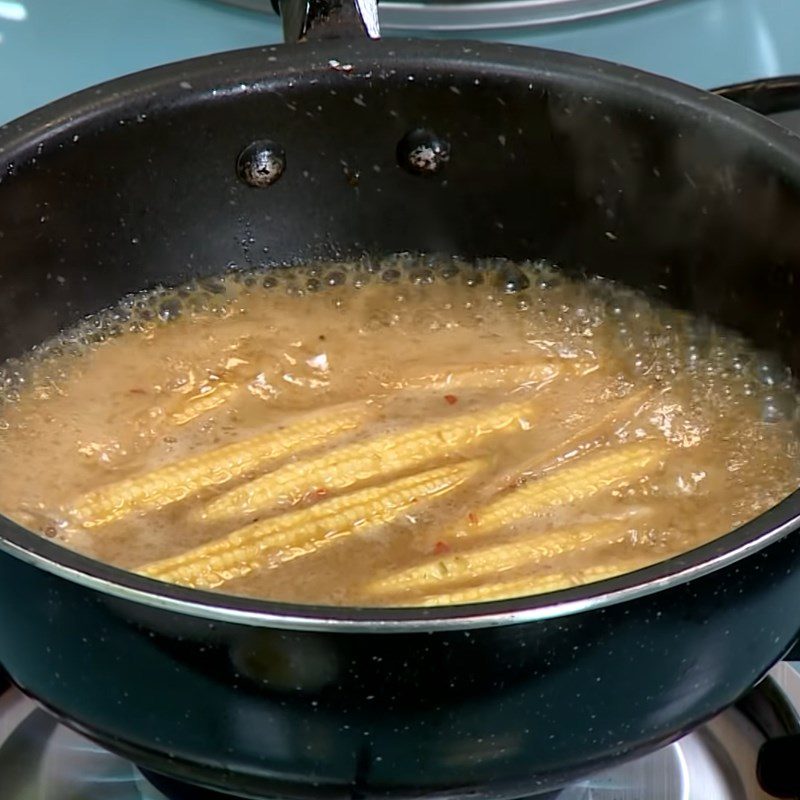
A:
(594, 170)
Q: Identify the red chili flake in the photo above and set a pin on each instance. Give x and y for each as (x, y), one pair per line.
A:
(441, 547)
(137, 391)
(450, 399)
(320, 492)
(472, 517)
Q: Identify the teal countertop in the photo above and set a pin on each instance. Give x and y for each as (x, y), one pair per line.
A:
(49, 48)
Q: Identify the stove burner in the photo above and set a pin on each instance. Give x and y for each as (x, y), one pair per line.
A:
(42, 759)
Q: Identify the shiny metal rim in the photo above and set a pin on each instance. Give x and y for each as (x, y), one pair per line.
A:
(455, 15)
(130, 587)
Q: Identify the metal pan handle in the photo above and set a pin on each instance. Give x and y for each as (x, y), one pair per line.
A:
(769, 96)
(328, 19)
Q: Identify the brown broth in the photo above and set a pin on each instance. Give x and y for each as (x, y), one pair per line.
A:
(597, 370)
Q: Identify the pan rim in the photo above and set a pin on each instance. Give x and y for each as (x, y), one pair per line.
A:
(721, 553)
(202, 75)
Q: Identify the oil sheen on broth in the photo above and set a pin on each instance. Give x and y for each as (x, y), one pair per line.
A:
(408, 433)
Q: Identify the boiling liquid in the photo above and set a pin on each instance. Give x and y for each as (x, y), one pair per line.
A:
(177, 373)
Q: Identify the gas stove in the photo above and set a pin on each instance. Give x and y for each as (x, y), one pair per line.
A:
(49, 49)
(41, 759)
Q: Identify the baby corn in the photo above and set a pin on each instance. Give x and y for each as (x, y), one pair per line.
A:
(528, 586)
(298, 532)
(484, 377)
(480, 562)
(578, 480)
(623, 411)
(175, 482)
(361, 461)
(213, 396)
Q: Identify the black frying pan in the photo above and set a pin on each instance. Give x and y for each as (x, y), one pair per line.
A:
(596, 167)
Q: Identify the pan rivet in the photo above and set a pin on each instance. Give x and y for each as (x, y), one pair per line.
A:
(261, 163)
(423, 152)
